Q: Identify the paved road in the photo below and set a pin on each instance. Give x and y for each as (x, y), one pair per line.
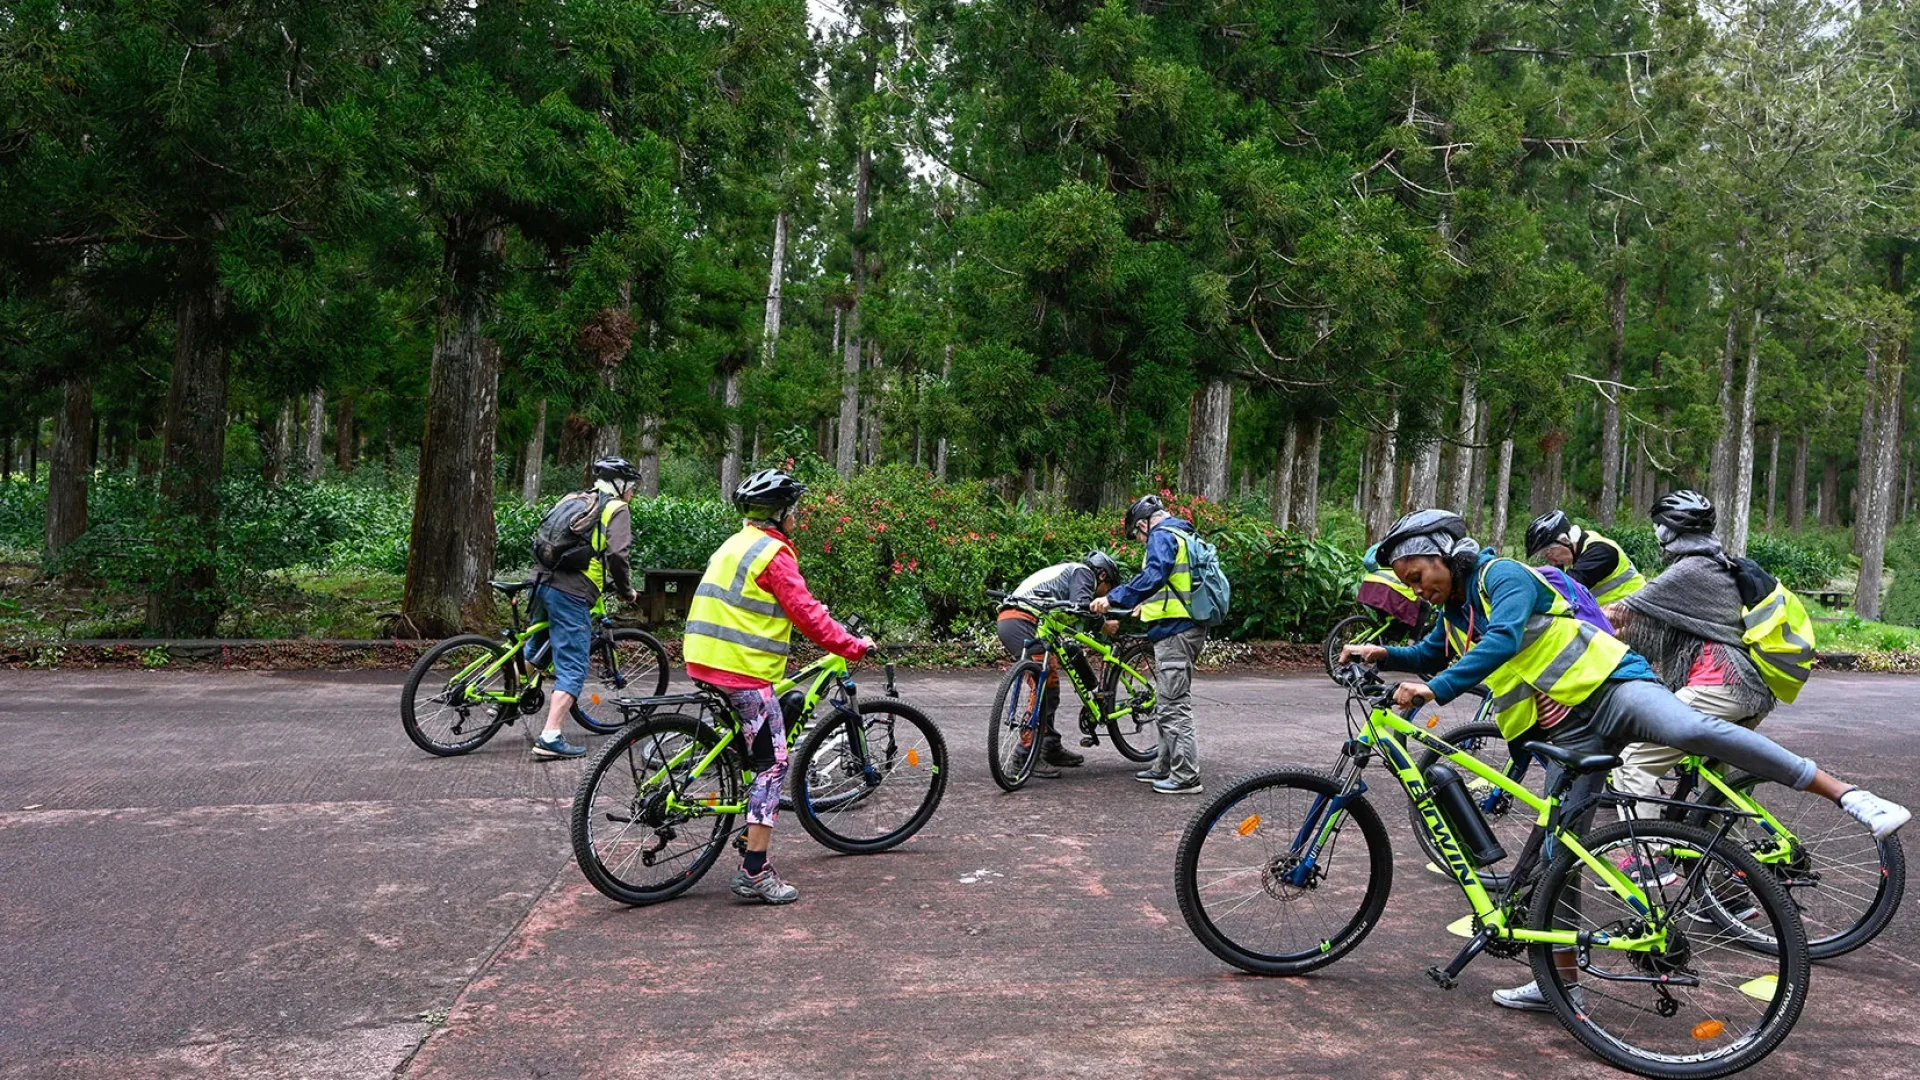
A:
(252, 875)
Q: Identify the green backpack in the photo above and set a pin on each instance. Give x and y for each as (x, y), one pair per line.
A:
(1778, 631)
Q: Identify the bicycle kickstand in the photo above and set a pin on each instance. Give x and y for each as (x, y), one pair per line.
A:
(1447, 976)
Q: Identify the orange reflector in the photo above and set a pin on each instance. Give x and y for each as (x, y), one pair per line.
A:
(711, 800)
(1708, 1029)
(913, 756)
(1247, 826)
(596, 700)
(1433, 721)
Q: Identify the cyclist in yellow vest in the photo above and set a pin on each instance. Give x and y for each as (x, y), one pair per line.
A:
(1557, 678)
(1587, 557)
(1160, 594)
(738, 632)
(567, 598)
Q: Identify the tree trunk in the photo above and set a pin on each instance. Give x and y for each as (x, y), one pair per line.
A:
(316, 430)
(1469, 438)
(1827, 510)
(1281, 512)
(1209, 420)
(344, 438)
(649, 456)
(186, 600)
(608, 338)
(534, 456)
(1363, 485)
(940, 448)
(280, 462)
(1503, 483)
(1877, 499)
(1610, 397)
(1306, 481)
(68, 468)
(1423, 486)
(1865, 456)
(848, 448)
(1476, 501)
(730, 459)
(6, 461)
(776, 287)
(1736, 533)
(1720, 482)
(1773, 476)
(451, 555)
(1553, 486)
(33, 454)
(870, 406)
(1797, 490)
(1386, 473)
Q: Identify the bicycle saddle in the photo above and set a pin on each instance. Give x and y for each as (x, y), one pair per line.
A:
(508, 588)
(1567, 759)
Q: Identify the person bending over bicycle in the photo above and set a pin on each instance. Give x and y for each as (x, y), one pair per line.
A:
(1561, 679)
(738, 633)
(1077, 584)
(568, 596)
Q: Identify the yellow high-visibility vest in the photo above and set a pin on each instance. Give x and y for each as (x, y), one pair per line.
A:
(734, 624)
(1561, 656)
(1623, 582)
(1175, 597)
(596, 570)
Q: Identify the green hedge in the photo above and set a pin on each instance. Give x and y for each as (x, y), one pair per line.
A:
(1800, 564)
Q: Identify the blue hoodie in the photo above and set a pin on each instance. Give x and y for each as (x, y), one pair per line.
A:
(1162, 550)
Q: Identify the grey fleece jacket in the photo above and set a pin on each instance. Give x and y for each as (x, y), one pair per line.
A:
(1692, 605)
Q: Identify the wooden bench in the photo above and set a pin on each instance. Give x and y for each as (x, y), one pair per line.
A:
(665, 594)
(1833, 598)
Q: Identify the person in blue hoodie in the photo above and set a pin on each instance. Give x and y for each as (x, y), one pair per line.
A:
(1162, 595)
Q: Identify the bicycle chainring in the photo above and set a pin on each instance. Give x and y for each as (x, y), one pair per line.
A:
(532, 700)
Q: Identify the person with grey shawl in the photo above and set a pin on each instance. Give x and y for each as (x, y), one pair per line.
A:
(1687, 622)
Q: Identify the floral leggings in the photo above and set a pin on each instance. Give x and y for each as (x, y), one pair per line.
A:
(766, 735)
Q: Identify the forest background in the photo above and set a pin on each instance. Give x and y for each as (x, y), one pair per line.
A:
(306, 310)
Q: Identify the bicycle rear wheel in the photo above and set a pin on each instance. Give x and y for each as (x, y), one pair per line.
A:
(1013, 733)
(1353, 628)
(1510, 819)
(440, 707)
(624, 663)
(1845, 884)
(640, 830)
(1703, 1004)
(1129, 704)
(1276, 878)
(868, 783)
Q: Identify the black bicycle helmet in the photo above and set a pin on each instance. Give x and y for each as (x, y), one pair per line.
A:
(1684, 512)
(1450, 528)
(1546, 530)
(1103, 566)
(768, 494)
(1143, 509)
(616, 469)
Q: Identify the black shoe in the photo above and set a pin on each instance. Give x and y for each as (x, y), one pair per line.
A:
(1055, 754)
(1043, 770)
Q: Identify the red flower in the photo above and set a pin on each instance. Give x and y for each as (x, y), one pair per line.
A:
(827, 548)
(845, 518)
(880, 526)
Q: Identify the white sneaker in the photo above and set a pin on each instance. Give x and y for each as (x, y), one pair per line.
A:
(1528, 998)
(1876, 813)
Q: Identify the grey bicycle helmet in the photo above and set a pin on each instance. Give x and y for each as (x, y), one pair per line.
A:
(616, 469)
(1426, 532)
(1143, 509)
(768, 494)
(1103, 566)
(1547, 530)
(1684, 512)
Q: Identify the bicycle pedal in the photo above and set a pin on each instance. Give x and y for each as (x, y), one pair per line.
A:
(1439, 975)
(1088, 740)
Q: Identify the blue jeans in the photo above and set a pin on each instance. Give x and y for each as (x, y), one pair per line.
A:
(570, 625)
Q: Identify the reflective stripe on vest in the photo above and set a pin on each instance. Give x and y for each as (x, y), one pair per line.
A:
(1783, 656)
(1561, 656)
(596, 570)
(734, 624)
(1625, 579)
(1174, 598)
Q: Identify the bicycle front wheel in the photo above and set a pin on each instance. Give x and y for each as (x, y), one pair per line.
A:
(1129, 703)
(1510, 819)
(867, 783)
(1701, 1004)
(1013, 733)
(1352, 629)
(642, 829)
(625, 663)
(1846, 884)
(1280, 876)
(450, 705)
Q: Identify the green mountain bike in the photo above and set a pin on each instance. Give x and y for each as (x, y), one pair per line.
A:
(659, 802)
(1118, 699)
(462, 691)
(1845, 885)
(1288, 871)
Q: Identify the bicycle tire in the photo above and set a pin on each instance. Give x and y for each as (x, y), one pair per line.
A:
(1013, 769)
(416, 726)
(1703, 1015)
(663, 731)
(832, 817)
(1511, 820)
(606, 679)
(1343, 633)
(1833, 935)
(1331, 945)
(1142, 743)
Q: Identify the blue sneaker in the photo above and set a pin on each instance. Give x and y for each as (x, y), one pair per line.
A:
(1170, 786)
(551, 747)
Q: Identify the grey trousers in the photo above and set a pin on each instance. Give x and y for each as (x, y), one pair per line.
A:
(1642, 711)
(1173, 658)
(1644, 763)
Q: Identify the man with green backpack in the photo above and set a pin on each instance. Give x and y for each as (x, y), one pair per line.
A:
(579, 552)
(1179, 594)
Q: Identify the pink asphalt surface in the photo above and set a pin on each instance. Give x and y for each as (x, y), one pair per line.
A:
(250, 875)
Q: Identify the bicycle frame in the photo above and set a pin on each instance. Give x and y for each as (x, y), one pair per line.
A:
(1386, 732)
(1693, 768)
(483, 669)
(1049, 632)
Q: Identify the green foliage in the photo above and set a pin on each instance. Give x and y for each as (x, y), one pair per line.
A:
(1801, 563)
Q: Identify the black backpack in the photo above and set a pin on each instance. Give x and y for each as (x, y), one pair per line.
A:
(564, 540)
